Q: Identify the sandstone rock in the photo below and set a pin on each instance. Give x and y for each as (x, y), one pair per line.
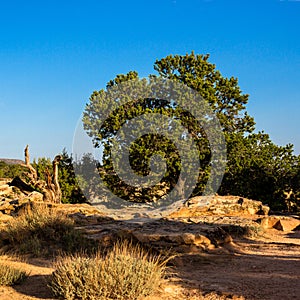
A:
(4, 181)
(5, 218)
(280, 223)
(201, 225)
(220, 205)
(268, 222)
(7, 205)
(11, 207)
(83, 208)
(82, 219)
(35, 196)
(286, 224)
(5, 189)
(159, 234)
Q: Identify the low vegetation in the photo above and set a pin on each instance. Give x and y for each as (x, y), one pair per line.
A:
(42, 230)
(126, 272)
(243, 230)
(11, 276)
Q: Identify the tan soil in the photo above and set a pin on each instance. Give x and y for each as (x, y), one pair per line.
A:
(265, 267)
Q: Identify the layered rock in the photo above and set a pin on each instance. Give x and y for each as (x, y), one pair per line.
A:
(221, 206)
(202, 224)
(11, 198)
(159, 234)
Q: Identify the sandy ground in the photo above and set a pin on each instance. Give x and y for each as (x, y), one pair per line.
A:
(265, 267)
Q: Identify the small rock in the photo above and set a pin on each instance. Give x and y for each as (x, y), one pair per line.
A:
(280, 223)
(286, 224)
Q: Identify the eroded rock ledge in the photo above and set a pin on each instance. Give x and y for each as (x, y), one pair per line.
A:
(202, 224)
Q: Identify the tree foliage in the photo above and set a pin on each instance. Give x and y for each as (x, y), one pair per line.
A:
(223, 95)
(71, 192)
(259, 169)
(10, 170)
(256, 167)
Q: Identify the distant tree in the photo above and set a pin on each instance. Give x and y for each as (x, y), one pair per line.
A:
(71, 192)
(42, 166)
(259, 169)
(10, 170)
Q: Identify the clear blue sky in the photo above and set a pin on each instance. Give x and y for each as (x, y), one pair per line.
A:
(54, 54)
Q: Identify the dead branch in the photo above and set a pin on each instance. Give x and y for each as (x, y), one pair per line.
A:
(32, 171)
(50, 189)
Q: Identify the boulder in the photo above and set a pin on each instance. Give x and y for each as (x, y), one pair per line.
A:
(9, 191)
(7, 206)
(10, 207)
(286, 224)
(281, 223)
(220, 206)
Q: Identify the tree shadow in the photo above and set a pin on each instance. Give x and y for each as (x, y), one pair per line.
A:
(295, 234)
(252, 276)
(35, 286)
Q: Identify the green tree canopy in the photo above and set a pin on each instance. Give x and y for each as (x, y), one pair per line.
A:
(256, 167)
(224, 96)
(259, 169)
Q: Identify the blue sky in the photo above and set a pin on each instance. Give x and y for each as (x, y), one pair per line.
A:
(54, 54)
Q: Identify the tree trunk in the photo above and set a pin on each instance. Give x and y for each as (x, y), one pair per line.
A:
(51, 189)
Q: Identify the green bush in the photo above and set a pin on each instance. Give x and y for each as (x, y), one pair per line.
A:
(10, 170)
(259, 169)
(127, 272)
(11, 276)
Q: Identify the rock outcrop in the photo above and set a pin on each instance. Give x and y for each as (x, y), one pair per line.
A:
(12, 198)
(159, 234)
(202, 224)
(221, 206)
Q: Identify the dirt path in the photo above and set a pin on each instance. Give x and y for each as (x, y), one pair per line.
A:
(264, 272)
(267, 267)
(35, 286)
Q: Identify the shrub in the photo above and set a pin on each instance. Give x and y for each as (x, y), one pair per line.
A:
(127, 272)
(243, 230)
(10, 275)
(42, 230)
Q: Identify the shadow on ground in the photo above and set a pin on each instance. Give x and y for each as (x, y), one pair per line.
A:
(35, 286)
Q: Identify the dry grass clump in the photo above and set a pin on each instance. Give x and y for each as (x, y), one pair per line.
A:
(126, 272)
(42, 230)
(10, 275)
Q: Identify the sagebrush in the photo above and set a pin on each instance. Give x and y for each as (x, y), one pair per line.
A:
(42, 230)
(11, 276)
(126, 272)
